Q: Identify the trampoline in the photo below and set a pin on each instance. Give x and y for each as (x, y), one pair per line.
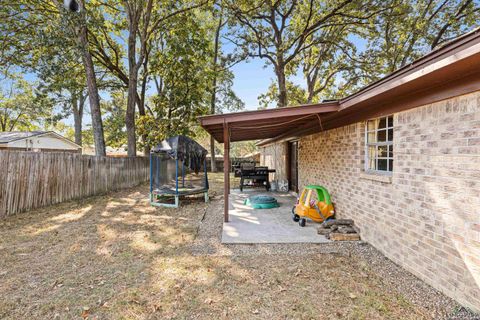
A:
(178, 168)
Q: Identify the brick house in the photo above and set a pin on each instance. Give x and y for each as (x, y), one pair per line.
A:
(401, 157)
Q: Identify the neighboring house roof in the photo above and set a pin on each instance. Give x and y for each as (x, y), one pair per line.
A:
(450, 71)
(8, 137)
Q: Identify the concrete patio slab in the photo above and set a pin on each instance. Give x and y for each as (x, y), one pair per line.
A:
(248, 225)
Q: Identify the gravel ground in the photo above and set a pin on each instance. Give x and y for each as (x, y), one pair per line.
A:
(395, 278)
(116, 257)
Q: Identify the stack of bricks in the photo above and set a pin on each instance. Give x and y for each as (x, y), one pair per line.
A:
(426, 215)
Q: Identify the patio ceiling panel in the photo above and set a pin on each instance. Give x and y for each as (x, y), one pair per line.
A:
(265, 124)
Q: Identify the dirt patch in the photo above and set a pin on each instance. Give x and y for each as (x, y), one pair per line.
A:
(116, 257)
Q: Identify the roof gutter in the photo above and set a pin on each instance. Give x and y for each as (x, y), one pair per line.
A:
(460, 48)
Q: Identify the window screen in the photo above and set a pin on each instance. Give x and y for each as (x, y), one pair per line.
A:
(379, 145)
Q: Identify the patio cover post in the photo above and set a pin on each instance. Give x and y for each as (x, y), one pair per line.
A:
(226, 169)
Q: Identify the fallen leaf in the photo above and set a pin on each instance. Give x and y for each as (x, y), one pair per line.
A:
(85, 312)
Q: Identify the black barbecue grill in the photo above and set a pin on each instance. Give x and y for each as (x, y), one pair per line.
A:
(252, 176)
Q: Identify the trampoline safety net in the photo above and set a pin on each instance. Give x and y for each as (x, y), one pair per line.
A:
(177, 168)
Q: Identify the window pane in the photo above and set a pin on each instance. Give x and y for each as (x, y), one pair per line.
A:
(382, 164)
(371, 164)
(382, 123)
(390, 121)
(371, 125)
(372, 137)
(390, 134)
(390, 151)
(382, 136)
(382, 151)
(390, 165)
(371, 157)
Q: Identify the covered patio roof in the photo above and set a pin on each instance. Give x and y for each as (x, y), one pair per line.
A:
(268, 123)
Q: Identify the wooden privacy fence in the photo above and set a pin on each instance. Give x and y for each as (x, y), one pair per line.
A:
(31, 180)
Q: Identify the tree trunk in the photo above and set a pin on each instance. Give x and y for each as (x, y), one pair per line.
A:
(282, 85)
(135, 10)
(93, 96)
(78, 104)
(130, 114)
(169, 117)
(132, 85)
(214, 91)
(310, 90)
(77, 121)
(141, 103)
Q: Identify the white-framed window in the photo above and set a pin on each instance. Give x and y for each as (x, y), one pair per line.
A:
(379, 145)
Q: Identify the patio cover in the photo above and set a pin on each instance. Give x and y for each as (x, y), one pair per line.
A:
(268, 123)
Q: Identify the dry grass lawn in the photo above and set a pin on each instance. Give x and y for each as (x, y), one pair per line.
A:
(115, 257)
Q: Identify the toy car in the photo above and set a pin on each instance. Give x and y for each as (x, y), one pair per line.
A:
(314, 203)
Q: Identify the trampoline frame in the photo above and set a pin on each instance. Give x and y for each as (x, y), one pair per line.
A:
(155, 195)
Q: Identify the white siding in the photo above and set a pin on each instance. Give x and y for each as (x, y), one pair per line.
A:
(47, 141)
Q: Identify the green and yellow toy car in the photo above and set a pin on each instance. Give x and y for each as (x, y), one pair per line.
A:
(314, 203)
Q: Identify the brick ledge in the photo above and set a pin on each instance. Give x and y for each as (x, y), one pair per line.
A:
(376, 177)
